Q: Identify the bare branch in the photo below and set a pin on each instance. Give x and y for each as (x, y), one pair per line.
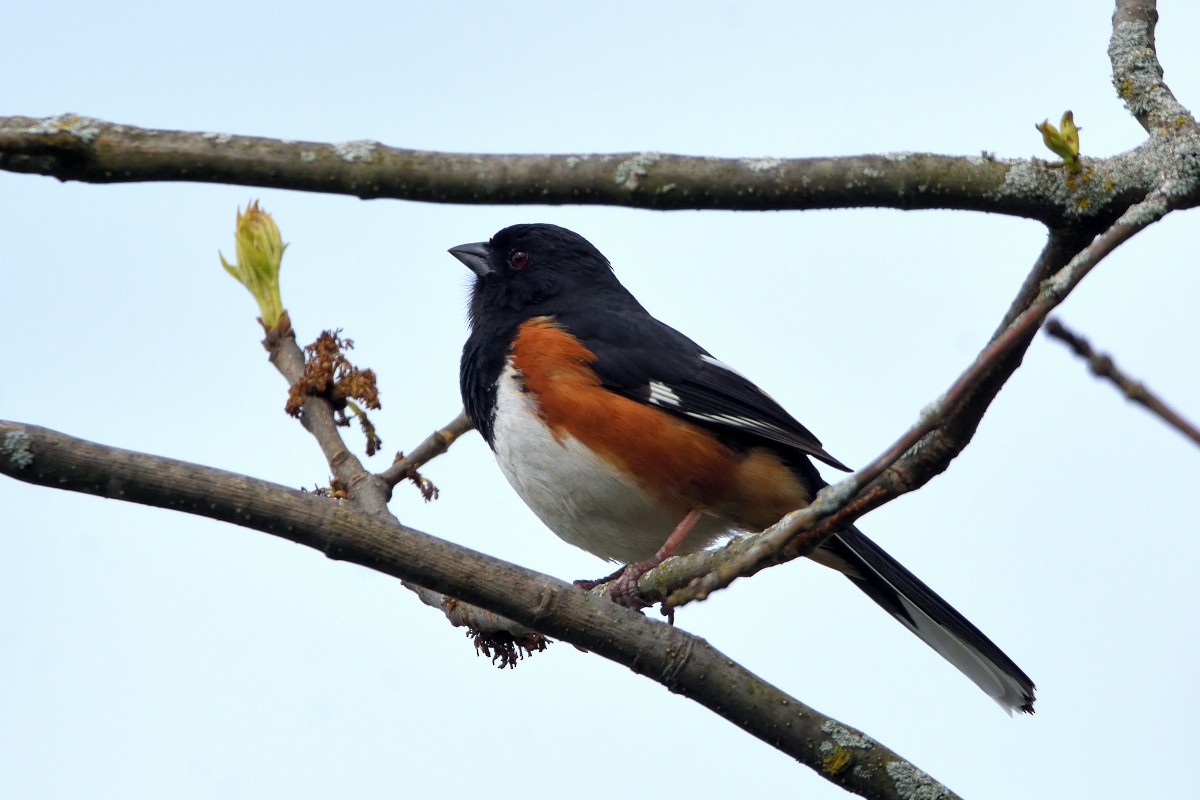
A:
(70, 147)
(1137, 73)
(1103, 366)
(364, 488)
(683, 663)
(434, 445)
(371, 492)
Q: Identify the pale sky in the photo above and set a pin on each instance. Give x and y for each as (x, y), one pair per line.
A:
(145, 654)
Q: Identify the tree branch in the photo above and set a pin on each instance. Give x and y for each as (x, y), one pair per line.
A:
(683, 663)
(1137, 73)
(71, 147)
(433, 446)
(1103, 366)
(363, 488)
(370, 492)
(944, 430)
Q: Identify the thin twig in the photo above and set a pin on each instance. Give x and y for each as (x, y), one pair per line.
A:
(435, 444)
(364, 488)
(1103, 366)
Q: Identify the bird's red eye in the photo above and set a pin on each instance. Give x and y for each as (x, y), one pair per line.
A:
(518, 259)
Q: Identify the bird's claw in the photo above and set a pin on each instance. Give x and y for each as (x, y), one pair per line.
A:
(623, 584)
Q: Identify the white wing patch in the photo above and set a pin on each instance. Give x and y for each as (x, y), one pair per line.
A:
(716, 362)
(734, 421)
(663, 395)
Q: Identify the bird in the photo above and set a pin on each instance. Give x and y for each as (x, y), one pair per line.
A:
(634, 443)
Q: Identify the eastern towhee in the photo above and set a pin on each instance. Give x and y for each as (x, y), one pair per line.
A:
(632, 442)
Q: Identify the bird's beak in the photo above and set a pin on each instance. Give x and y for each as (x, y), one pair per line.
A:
(475, 256)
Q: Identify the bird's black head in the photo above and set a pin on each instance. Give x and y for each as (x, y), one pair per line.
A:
(524, 267)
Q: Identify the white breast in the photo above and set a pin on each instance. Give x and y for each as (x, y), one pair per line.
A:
(580, 496)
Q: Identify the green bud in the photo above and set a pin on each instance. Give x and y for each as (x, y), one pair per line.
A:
(1063, 141)
(259, 254)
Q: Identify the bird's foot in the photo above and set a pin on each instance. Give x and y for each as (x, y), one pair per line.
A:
(623, 588)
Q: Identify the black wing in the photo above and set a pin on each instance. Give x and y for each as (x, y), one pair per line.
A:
(653, 363)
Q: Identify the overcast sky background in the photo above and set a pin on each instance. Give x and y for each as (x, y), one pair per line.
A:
(146, 654)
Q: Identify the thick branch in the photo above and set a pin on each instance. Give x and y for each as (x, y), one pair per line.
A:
(1137, 73)
(681, 662)
(70, 147)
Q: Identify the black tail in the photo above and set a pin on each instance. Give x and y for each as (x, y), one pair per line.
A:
(919, 609)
